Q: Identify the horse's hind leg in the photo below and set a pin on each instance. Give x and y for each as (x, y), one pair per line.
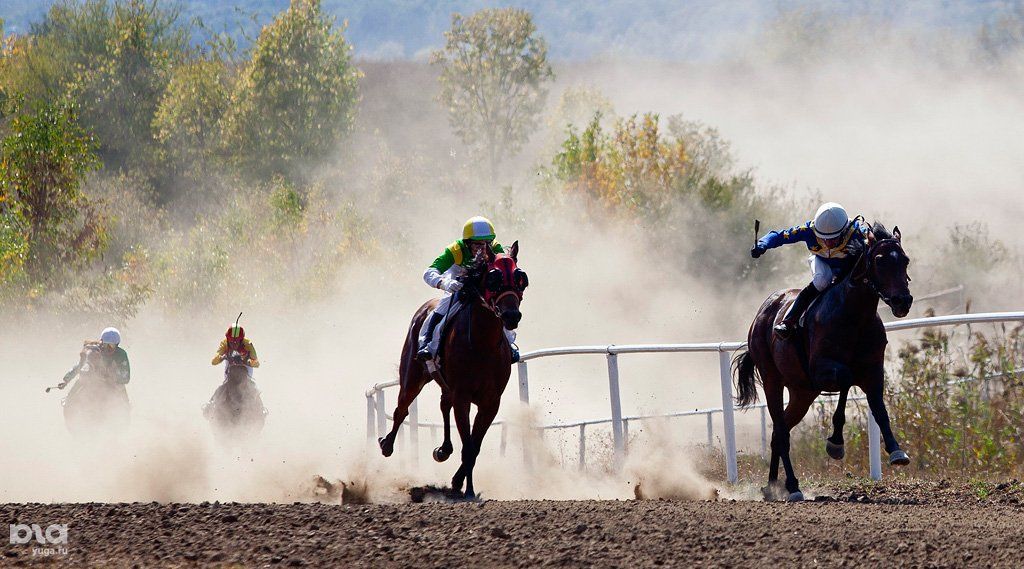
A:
(442, 452)
(406, 395)
(834, 445)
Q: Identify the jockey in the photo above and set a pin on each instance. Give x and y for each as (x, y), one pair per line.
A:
(235, 341)
(112, 362)
(443, 273)
(830, 238)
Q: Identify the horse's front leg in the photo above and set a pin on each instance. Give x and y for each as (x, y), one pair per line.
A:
(484, 417)
(834, 445)
(442, 452)
(874, 388)
(468, 446)
(406, 395)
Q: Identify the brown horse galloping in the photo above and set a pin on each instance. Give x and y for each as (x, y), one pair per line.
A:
(476, 359)
(841, 345)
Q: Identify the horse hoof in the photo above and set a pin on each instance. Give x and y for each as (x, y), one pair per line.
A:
(387, 448)
(835, 451)
(899, 458)
(441, 455)
(470, 497)
(797, 496)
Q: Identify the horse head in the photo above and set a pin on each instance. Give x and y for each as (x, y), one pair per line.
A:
(500, 283)
(883, 267)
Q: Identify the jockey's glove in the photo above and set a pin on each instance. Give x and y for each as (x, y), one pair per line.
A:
(757, 251)
(451, 285)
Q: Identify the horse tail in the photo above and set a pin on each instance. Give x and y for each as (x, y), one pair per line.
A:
(746, 378)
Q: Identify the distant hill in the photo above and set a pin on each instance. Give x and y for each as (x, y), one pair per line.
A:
(575, 29)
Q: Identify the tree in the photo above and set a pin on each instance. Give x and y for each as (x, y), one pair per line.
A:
(43, 164)
(187, 120)
(113, 58)
(493, 72)
(296, 98)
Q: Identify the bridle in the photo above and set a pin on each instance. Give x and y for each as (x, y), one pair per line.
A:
(869, 265)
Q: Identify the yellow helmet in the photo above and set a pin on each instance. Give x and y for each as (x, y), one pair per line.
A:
(479, 229)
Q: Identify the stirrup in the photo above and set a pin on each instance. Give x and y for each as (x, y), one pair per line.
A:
(515, 352)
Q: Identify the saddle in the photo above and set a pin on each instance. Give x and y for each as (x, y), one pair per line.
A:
(433, 366)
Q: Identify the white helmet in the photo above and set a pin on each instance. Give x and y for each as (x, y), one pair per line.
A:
(110, 336)
(830, 221)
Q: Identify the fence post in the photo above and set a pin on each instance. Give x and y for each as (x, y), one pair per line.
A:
(414, 432)
(764, 431)
(504, 438)
(524, 384)
(616, 402)
(382, 417)
(874, 447)
(371, 420)
(711, 432)
(583, 446)
(728, 418)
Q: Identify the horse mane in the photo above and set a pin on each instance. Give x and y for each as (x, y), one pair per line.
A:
(880, 231)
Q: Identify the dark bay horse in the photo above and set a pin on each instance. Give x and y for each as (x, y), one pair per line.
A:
(841, 344)
(476, 360)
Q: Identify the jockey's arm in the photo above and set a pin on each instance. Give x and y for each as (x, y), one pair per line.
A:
(122, 368)
(221, 353)
(797, 234)
(433, 275)
(253, 360)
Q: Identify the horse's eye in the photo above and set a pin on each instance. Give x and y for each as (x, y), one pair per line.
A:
(520, 279)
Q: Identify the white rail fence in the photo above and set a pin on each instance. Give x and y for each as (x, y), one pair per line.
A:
(377, 416)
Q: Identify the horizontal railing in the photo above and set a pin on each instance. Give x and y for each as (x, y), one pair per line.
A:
(376, 413)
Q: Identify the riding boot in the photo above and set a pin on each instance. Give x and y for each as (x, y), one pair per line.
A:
(510, 336)
(423, 354)
(791, 321)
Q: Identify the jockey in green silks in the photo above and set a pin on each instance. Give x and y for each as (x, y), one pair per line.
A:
(444, 272)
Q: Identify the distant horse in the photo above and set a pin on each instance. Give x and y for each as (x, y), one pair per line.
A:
(842, 344)
(236, 410)
(476, 360)
(96, 402)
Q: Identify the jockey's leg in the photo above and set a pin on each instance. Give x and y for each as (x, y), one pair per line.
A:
(510, 335)
(822, 277)
(430, 332)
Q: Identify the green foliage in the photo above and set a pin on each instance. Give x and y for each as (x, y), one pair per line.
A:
(187, 119)
(114, 59)
(494, 71)
(45, 160)
(296, 98)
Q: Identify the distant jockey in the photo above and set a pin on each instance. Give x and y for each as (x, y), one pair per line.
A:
(235, 342)
(444, 272)
(111, 363)
(831, 237)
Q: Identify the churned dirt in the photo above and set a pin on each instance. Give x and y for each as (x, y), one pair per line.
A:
(916, 524)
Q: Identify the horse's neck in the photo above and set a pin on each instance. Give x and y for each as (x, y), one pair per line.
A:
(852, 302)
(481, 321)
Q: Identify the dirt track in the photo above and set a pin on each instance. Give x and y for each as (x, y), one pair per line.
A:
(921, 524)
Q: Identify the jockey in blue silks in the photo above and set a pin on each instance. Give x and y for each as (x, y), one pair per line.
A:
(830, 237)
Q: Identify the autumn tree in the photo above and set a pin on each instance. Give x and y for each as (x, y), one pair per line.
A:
(494, 71)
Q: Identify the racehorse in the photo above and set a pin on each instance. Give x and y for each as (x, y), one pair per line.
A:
(236, 410)
(841, 344)
(96, 401)
(476, 359)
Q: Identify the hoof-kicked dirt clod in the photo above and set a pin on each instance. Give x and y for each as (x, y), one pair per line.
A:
(918, 524)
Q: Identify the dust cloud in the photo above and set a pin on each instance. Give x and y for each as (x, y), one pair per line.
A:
(891, 129)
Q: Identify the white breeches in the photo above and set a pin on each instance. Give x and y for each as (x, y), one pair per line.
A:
(821, 273)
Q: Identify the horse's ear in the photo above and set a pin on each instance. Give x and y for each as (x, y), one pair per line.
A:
(896, 233)
(513, 251)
